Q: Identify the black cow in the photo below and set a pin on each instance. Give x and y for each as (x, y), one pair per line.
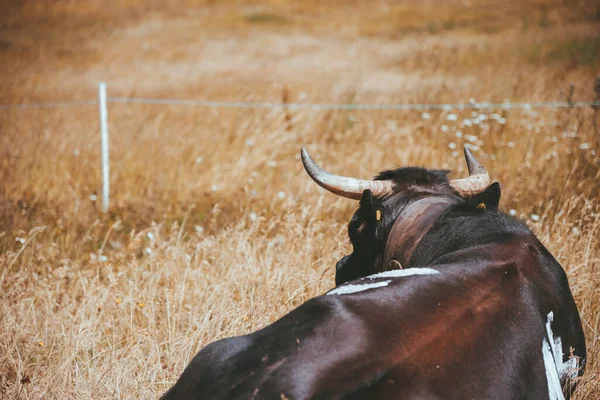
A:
(443, 297)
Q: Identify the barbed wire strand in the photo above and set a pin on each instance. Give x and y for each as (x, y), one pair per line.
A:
(311, 106)
(330, 106)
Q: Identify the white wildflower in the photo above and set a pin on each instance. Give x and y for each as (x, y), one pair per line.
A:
(425, 115)
(272, 163)
(75, 152)
(458, 134)
(584, 146)
(249, 142)
(281, 195)
(535, 217)
(452, 145)
(451, 117)
(252, 216)
(150, 235)
(93, 197)
(102, 258)
(199, 229)
(511, 144)
(199, 160)
(512, 212)
(20, 240)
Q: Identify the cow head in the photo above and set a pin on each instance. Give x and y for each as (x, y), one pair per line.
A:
(397, 208)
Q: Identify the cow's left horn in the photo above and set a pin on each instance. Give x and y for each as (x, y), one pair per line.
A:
(478, 179)
(351, 188)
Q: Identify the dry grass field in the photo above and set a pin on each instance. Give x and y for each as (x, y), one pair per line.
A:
(214, 228)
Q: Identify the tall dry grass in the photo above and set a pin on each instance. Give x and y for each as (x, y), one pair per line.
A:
(214, 228)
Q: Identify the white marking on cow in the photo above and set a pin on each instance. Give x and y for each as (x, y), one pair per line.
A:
(354, 288)
(557, 371)
(554, 389)
(398, 273)
(568, 369)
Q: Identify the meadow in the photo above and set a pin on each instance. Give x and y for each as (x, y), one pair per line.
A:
(214, 228)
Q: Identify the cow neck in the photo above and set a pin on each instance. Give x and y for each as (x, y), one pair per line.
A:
(410, 227)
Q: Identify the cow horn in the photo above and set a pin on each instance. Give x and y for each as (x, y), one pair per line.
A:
(351, 188)
(478, 179)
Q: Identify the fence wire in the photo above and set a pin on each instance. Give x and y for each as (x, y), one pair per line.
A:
(47, 105)
(309, 106)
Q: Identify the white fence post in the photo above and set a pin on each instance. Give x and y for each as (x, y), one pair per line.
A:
(104, 134)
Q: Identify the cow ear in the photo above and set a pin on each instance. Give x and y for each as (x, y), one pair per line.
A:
(490, 197)
(370, 207)
(366, 203)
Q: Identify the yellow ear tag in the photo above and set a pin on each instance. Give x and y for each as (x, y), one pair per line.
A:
(481, 206)
(378, 215)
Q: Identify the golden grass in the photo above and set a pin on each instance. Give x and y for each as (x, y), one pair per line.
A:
(214, 229)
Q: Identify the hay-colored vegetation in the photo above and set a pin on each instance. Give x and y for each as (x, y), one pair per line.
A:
(214, 228)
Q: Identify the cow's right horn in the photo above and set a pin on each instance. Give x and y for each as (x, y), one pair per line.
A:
(351, 188)
(478, 179)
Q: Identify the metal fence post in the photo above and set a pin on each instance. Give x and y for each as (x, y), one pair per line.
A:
(104, 135)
